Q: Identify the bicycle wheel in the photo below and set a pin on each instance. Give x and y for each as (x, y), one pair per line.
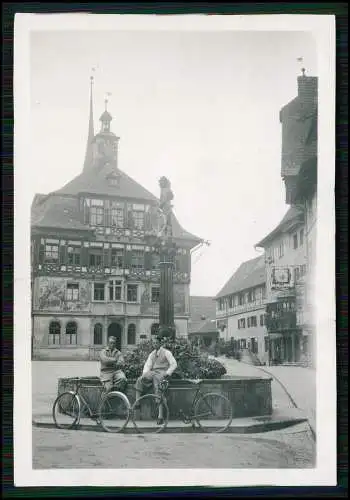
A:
(66, 410)
(114, 411)
(213, 412)
(146, 412)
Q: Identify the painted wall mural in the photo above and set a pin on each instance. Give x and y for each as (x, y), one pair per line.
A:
(52, 295)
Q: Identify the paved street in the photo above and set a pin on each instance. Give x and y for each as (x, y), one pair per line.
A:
(86, 449)
(290, 448)
(299, 382)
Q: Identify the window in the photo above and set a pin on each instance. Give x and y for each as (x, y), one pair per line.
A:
(281, 249)
(51, 253)
(132, 334)
(248, 322)
(54, 333)
(98, 331)
(253, 321)
(295, 241)
(73, 256)
(72, 291)
(251, 296)
(230, 301)
(221, 304)
(241, 323)
(96, 216)
(303, 270)
(263, 293)
(95, 258)
(115, 290)
(155, 329)
(262, 319)
(132, 293)
(99, 291)
(143, 336)
(71, 333)
(301, 237)
(139, 219)
(243, 343)
(155, 261)
(137, 260)
(155, 294)
(240, 299)
(117, 217)
(117, 258)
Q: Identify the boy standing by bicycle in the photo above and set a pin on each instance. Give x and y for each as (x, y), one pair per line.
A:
(160, 364)
(112, 361)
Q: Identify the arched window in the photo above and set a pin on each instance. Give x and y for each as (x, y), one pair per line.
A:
(98, 329)
(71, 333)
(155, 329)
(54, 333)
(132, 334)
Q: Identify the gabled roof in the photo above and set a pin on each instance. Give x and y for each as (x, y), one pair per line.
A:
(202, 311)
(62, 212)
(95, 182)
(293, 214)
(249, 274)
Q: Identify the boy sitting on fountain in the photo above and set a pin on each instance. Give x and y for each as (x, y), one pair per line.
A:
(160, 364)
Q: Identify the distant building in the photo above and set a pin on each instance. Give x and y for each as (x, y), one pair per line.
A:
(240, 308)
(285, 261)
(202, 324)
(94, 271)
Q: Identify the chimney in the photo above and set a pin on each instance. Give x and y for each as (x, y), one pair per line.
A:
(307, 89)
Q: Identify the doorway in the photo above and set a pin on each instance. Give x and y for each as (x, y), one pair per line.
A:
(115, 330)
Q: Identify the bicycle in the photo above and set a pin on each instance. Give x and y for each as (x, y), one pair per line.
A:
(113, 412)
(211, 411)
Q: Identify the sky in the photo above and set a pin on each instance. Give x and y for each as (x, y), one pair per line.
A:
(201, 108)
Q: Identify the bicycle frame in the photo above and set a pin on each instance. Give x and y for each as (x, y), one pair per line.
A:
(188, 418)
(77, 392)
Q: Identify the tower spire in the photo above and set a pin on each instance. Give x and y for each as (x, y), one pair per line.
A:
(89, 152)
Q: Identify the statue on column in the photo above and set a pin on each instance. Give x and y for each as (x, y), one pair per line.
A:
(165, 208)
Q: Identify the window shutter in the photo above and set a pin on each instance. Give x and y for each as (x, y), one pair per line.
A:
(63, 254)
(130, 219)
(106, 257)
(127, 258)
(148, 261)
(85, 256)
(41, 251)
(148, 225)
(106, 214)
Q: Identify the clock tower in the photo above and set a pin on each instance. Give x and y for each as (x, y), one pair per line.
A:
(105, 143)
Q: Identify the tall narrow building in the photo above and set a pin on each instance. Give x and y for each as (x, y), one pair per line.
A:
(94, 271)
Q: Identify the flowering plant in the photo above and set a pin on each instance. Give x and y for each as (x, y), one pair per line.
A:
(190, 364)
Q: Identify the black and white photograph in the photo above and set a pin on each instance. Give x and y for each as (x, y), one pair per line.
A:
(174, 250)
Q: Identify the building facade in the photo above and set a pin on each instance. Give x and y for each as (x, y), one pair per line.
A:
(94, 272)
(285, 270)
(240, 308)
(202, 329)
(291, 248)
